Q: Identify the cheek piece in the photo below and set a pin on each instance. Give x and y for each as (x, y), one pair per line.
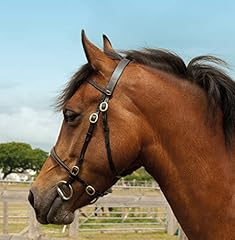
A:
(64, 188)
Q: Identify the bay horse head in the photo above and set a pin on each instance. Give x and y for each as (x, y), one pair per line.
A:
(98, 140)
(145, 108)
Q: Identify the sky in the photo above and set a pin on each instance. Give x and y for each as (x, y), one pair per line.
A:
(40, 49)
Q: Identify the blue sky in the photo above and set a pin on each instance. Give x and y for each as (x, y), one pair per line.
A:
(40, 48)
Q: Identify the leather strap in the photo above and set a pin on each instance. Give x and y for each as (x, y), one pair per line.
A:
(54, 155)
(116, 75)
(97, 86)
(85, 144)
(71, 177)
(107, 93)
(107, 143)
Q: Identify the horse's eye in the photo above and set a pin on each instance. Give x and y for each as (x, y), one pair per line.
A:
(70, 116)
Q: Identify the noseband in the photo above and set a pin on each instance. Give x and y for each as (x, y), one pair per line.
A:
(64, 188)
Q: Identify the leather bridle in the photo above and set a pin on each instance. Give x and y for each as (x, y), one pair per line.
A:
(64, 188)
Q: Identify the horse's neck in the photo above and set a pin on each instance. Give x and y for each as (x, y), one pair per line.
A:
(188, 157)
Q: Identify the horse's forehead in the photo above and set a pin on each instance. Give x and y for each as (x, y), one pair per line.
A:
(82, 95)
(77, 97)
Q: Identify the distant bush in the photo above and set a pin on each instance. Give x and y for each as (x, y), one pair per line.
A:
(139, 175)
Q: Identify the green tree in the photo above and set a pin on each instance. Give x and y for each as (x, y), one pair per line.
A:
(139, 175)
(17, 157)
(38, 158)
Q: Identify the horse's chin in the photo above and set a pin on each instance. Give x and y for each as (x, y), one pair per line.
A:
(58, 214)
(55, 214)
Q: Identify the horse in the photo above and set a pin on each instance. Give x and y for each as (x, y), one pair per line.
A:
(124, 110)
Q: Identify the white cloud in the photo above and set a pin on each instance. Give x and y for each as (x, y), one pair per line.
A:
(38, 128)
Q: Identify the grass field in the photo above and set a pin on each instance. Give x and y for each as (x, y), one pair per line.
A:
(106, 235)
(126, 236)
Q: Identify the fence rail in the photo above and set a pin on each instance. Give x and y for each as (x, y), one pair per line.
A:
(113, 213)
(121, 183)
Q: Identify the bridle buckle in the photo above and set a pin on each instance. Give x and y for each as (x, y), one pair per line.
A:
(103, 106)
(65, 196)
(90, 190)
(74, 171)
(93, 118)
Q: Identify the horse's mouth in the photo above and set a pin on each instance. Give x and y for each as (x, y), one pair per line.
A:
(58, 214)
(51, 209)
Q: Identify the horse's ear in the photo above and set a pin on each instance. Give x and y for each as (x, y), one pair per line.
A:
(107, 44)
(98, 60)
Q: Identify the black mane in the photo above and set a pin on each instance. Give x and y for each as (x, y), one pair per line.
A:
(205, 71)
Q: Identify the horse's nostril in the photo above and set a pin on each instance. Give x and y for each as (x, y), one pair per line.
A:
(31, 198)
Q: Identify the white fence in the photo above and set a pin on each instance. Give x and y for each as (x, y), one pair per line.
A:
(113, 213)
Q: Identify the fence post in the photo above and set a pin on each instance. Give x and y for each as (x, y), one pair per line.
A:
(5, 217)
(182, 235)
(171, 222)
(34, 226)
(74, 226)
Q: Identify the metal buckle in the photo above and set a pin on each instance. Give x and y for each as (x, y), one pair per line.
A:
(90, 190)
(103, 106)
(93, 118)
(108, 92)
(74, 171)
(61, 192)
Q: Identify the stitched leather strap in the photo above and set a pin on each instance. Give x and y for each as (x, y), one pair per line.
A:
(116, 75)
